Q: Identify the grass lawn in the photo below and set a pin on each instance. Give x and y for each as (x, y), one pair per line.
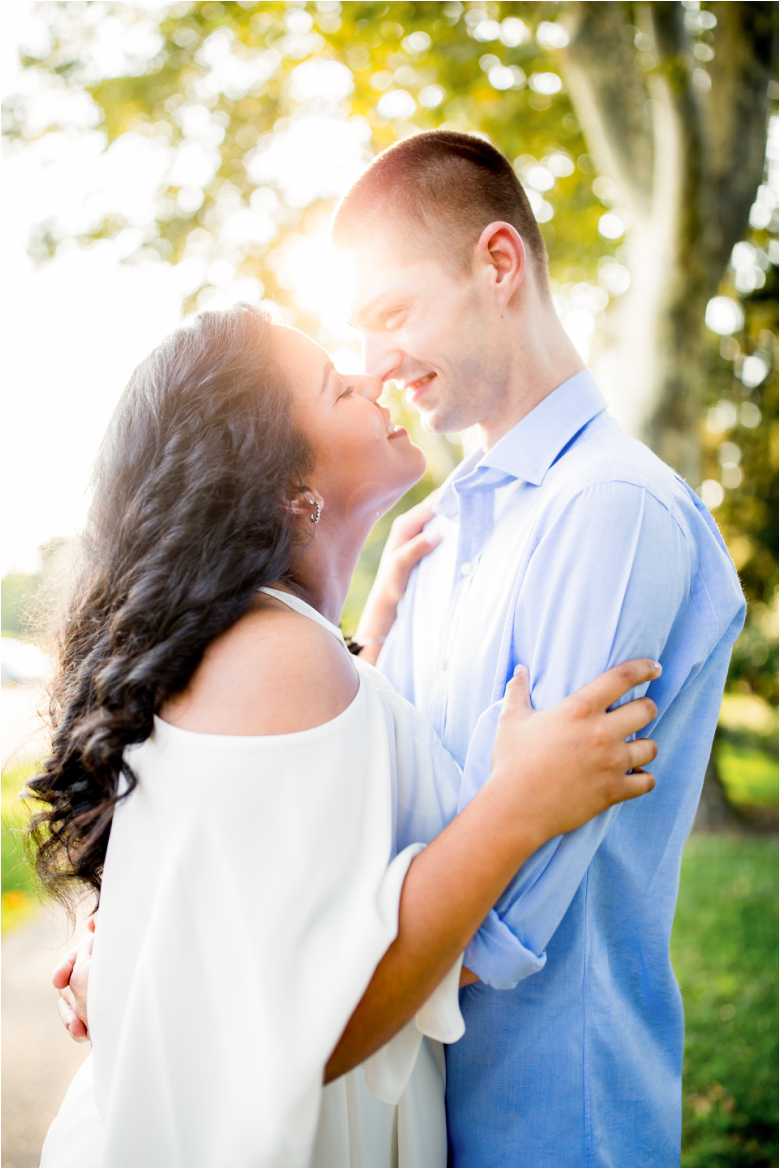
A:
(19, 888)
(724, 950)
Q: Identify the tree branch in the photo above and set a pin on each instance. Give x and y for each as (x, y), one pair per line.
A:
(694, 227)
(610, 95)
(745, 62)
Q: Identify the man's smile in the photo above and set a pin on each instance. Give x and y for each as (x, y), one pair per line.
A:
(416, 388)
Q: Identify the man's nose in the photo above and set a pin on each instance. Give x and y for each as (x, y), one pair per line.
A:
(370, 387)
(380, 360)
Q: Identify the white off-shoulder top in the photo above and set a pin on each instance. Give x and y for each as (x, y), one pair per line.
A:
(251, 886)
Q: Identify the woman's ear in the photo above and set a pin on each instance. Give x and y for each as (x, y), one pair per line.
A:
(309, 503)
(501, 253)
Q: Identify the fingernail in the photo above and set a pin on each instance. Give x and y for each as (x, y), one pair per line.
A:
(520, 670)
(434, 540)
(658, 668)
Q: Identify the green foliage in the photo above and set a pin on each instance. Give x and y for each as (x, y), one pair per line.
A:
(18, 594)
(724, 951)
(750, 777)
(748, 516)
(20, 887)
(17, 875)
(442, 56)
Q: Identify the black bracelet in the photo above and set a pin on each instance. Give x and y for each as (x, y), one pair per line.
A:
(355, 647)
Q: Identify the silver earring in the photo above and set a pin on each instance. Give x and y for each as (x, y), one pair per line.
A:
(315, 503)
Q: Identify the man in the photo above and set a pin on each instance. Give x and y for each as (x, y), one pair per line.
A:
(566, 546)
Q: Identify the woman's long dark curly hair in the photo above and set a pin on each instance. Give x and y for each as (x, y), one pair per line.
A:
(188, 520)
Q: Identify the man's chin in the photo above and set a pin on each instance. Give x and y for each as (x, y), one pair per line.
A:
(430, 417)
(439, 422)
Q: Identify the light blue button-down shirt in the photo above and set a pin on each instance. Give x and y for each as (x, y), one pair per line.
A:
(570, 547)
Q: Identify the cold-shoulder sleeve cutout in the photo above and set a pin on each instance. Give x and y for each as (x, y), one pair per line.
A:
(275, 672)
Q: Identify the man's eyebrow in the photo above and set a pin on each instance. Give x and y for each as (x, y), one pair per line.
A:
(326, 372)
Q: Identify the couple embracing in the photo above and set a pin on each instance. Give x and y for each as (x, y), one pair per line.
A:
(385, 907)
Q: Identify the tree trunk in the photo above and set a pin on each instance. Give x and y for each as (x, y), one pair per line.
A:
(686, 162)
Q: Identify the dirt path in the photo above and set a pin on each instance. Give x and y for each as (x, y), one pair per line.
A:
(39, 1058)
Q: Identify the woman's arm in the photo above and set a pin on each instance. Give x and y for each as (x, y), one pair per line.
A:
(551, 772)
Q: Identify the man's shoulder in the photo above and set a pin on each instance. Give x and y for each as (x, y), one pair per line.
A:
(604, 456)
(608, 474)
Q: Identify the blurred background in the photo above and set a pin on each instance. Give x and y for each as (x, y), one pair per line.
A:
(163, 158)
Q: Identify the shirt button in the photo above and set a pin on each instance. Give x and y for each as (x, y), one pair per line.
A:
(466, 568)
(443, 663)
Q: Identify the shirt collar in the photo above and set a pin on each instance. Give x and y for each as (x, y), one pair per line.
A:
(531, 447)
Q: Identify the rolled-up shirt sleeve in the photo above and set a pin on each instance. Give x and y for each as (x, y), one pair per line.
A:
(606, 581)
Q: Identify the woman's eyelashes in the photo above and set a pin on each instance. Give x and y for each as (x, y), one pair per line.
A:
(345, 393)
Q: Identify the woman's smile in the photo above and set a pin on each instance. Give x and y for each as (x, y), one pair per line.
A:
(345, 422)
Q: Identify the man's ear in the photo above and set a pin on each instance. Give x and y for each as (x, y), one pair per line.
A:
(501, 252)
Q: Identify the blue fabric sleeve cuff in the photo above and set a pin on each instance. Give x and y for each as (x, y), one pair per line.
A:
(497, 957)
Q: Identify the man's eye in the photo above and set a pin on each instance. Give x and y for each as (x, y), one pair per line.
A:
(394, 318)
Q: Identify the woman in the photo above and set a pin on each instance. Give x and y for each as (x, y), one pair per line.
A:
(236, 787)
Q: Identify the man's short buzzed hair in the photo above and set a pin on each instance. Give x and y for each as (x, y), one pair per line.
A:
(439, 190)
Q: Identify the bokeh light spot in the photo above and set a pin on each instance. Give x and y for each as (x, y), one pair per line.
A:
(724, 315)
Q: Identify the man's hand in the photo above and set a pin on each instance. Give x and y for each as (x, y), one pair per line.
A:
(70, 978)
(405, 546)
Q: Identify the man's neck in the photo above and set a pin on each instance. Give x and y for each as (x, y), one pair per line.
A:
(544, 358)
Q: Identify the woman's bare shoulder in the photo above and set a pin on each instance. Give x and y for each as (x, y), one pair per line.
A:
(274, 672)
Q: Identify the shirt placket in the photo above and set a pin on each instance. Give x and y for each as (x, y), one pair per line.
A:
(475, 505)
